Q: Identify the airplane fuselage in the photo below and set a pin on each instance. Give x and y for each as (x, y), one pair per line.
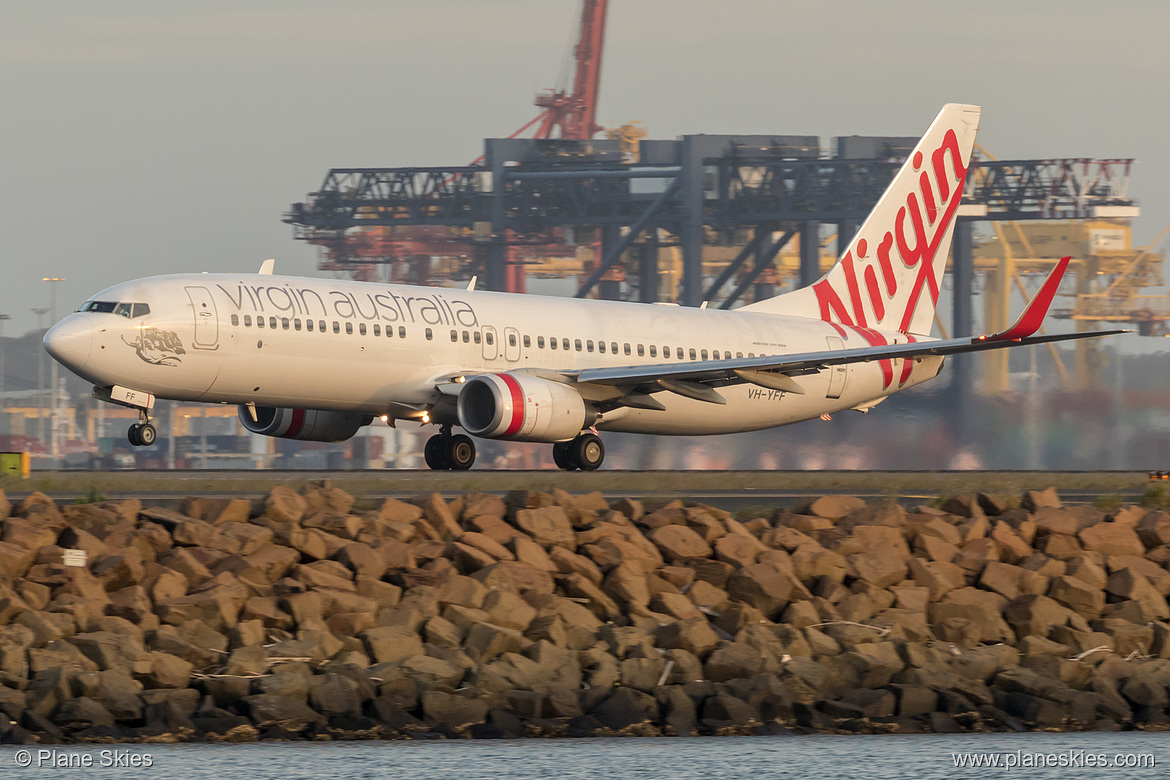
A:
(371, 348)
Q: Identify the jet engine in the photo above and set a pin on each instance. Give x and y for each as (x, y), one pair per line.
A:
(521, 407)
(303, 424)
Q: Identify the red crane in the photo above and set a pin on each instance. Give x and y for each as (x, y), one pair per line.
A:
(572, 113)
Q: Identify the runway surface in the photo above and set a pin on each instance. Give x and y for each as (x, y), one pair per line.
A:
(732, 490)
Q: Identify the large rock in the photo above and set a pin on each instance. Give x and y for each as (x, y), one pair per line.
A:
(834, 507)
(1078, 596)
(284, 505)
(1035, 615)
(1112, 539)
(626, 708)
(457, 712)
(387, 644)
(677, 542)
(268, 709)
(765, 586)
(549, 526)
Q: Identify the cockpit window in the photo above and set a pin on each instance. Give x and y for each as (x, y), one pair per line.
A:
(128, 310)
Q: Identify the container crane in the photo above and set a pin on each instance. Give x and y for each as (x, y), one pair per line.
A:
(409, 249)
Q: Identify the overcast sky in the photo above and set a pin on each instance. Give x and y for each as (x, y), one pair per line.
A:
(154, 137)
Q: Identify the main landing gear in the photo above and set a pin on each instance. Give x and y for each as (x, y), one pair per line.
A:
(584, 452)
(445, 452)
(142, 434)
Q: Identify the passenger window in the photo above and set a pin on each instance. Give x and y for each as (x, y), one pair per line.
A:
(361, 329)
(601, 347)
(552, 343)
(511, 339)
(692, 353)
(703, 354)
(124, 310)
(429, 334)
(565, 345)
(627, 347)
(527, 342)
(377, 330)
(475, 336)
(739, 354)
(540, 342)
(349, 328)
(577, 344)
(297, 324)
(454, 336)
(141, 310)
(336, 327)
(679, 351)
(321, 325)
(653, 350)
(284, 322)
(466, 337)
(401, 331)
(247, 320)
(641, 351)
(235, 320)
(272, 322)
(589, 345)
(309, 325)
(259, 322)
(490, 338)
(613, 347)
(751, 354)
(727, 355)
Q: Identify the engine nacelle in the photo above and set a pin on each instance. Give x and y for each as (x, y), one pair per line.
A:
(303, 424)
(520, 407)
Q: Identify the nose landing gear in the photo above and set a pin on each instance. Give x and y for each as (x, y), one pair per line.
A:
(142, 434)
(444, 452)
(586, 452)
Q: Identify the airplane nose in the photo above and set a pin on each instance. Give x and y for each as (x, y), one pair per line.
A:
(70, 341)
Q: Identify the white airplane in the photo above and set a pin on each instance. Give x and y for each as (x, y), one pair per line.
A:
(317, 359)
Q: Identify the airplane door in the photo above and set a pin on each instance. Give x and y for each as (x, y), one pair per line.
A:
(490, 348)
(206, 319)
(837, 374)
(511, 344)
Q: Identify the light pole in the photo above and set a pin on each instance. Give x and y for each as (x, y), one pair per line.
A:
(3, 317)
(54, 428)
(41, 377)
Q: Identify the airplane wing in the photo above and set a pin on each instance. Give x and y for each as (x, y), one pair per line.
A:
(697, 379)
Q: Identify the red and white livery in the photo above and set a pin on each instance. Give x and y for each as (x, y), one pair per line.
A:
(318, 359)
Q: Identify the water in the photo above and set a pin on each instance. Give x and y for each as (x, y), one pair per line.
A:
(924, 756)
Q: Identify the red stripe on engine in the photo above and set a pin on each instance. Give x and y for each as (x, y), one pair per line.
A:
(298, 423)
(517, 405)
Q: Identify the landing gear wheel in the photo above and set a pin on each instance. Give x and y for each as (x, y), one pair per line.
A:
(587, 451)
(147, 435)
(562, 456)
(460, 452)
(132, 435)
(435, 453)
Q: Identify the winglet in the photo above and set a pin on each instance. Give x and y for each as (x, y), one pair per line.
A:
(266, 267)
(1033, 316)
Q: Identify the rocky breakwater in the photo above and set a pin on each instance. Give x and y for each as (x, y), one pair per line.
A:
(540, 614)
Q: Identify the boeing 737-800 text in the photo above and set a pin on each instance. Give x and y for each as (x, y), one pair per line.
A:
(318, 359)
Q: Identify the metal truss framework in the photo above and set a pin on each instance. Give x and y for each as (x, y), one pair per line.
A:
(528, 191)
